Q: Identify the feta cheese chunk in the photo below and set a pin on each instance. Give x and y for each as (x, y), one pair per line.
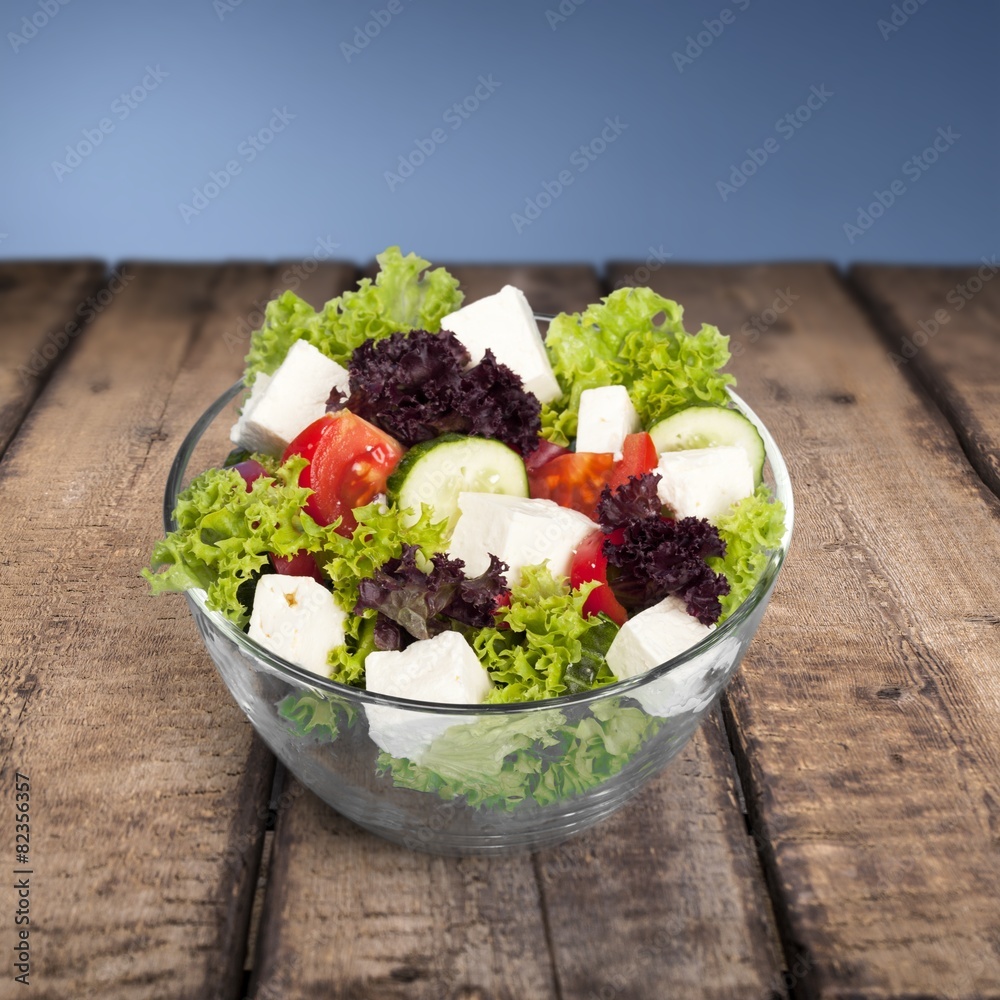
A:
(297, 618)
(505, 324)
(444, 670)
(282, 404)
(519, 531)
(654, 636)
(606, 417)
(704, 482)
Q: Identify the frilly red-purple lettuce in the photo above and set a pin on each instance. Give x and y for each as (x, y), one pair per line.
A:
(651, 557)
(416, 387)
(421, 602)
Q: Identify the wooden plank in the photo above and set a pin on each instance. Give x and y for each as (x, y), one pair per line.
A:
(373, 920)
(149, 788)
(43, 308)
(867, 712)
(394, 923)
(943, 325)
(666, 898)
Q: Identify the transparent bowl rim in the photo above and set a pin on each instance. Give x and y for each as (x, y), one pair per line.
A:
(304, 678)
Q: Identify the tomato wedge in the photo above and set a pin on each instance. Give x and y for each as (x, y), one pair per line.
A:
(638, 457)
(544, 452)
(301, 564)
(575, 479)
(349, 463)
(590, 563)
(572, 480)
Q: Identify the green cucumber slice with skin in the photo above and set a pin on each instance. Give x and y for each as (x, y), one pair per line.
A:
(436, 471)
(707, 427)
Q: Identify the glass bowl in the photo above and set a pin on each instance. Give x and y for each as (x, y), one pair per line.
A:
(494, 779)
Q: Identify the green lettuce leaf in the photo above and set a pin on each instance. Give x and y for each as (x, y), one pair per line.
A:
(316, 715)
(752, 530)
(545, 646)
(404, 296)
(379, 536)
(637, 339)
(225, 532)
(594, 750)
(501, 762)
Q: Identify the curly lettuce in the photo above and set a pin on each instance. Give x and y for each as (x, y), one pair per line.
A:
(543, 644)
(225, 532)
(634, 338)
(379, 537)
(316, 715)
(752, 530)
(404, 296)
(499, 762)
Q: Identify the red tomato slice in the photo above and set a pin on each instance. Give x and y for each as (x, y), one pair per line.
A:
(349, 463)
(572, 480)
(544, 452)
(301, 564)
(590, 563)
(638, 457)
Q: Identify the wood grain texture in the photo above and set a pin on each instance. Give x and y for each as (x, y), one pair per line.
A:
(943, 325)
(149, 790)
(348, 915)
(666, 898)
(867, 712)
(372, 921)
(43, 309)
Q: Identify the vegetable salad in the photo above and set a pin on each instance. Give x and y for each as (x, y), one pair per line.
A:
(434, 491)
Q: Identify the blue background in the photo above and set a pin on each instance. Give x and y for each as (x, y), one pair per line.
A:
(356, 113)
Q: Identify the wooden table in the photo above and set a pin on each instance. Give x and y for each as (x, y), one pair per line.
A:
(832, 832)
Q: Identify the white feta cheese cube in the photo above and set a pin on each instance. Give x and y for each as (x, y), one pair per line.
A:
(607, 416)
(289, 400)
(654, 636)
(505, 324)
(444, 669)
(297, 618)
(519, 531)
(685, 691)
(704, 482)
(257, 393)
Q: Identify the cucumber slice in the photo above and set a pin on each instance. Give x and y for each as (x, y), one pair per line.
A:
(707, 426)
(435, 472)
